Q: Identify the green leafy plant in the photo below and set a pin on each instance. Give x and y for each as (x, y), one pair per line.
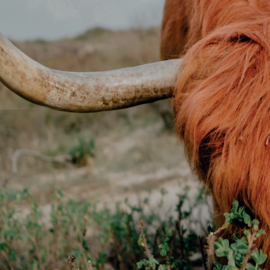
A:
(151, 263)
(241, 253)
(85, 148)
(110, 236)
(30, 239)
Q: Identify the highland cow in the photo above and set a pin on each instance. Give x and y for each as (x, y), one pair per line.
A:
(221, 90)
(222, 99)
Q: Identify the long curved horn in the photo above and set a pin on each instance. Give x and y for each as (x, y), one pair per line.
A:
(85, 92)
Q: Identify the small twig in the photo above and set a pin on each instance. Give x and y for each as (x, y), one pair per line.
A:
(27, 152)
(89, 265)
(140, 226)
(211, 250)
(5, 181)
(71, 258)
(180, 233)
(203, 253)
(251, 246)
(170, 248)
(133, 256)
(218, 231)
(120, 260)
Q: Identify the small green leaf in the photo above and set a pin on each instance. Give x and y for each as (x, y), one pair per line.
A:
(168, 232)
(170, 260)
(262, 258)
(163, 252)
(248, 234)
(227, 267)
(247, 218)
(179, 263)
(242, 249)
(139, 264)
(255, 224)
(146, 201)
(230, 257)
(13, 255)
(162, 267)
(234, 247)
(242, 241)
(259, 233)
(255, 255)
(3, 246)
(140, 241)
(234, 206)
(153, 260)
(228, 219)
(222, 247)
(221, 253)
(238, 259)
(59, 191)
(217, 266)
(163, 191)
(142, 263)
(250, 266)
(241, 210)
(164, 246)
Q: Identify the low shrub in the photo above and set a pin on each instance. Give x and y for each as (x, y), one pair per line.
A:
(83, 150)
(106, 237)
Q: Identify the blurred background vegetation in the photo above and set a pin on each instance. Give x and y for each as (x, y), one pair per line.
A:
(138, 140)
(131, 153)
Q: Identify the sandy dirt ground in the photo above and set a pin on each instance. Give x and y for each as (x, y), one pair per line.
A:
(112, 178)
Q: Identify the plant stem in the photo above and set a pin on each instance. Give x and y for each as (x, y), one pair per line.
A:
(202, 251)
(70, 260)
(211, 250)
(89, 265)
(250, 249)
(140, 226)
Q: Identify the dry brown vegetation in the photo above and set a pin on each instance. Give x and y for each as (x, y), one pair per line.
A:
(137, 162)
(128, 142)
(135, 151)
(136, 157)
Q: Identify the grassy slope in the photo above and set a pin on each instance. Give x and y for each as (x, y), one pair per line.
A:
(128, 141)
(134, 154)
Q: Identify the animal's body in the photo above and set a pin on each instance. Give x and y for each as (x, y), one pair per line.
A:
(222, 100)
(222, 95)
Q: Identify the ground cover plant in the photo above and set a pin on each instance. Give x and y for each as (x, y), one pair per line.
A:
(109, 238)
(89, 237)
(80, 229)
(241, 253)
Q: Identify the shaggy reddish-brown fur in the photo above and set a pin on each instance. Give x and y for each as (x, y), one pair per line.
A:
(222, 99)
